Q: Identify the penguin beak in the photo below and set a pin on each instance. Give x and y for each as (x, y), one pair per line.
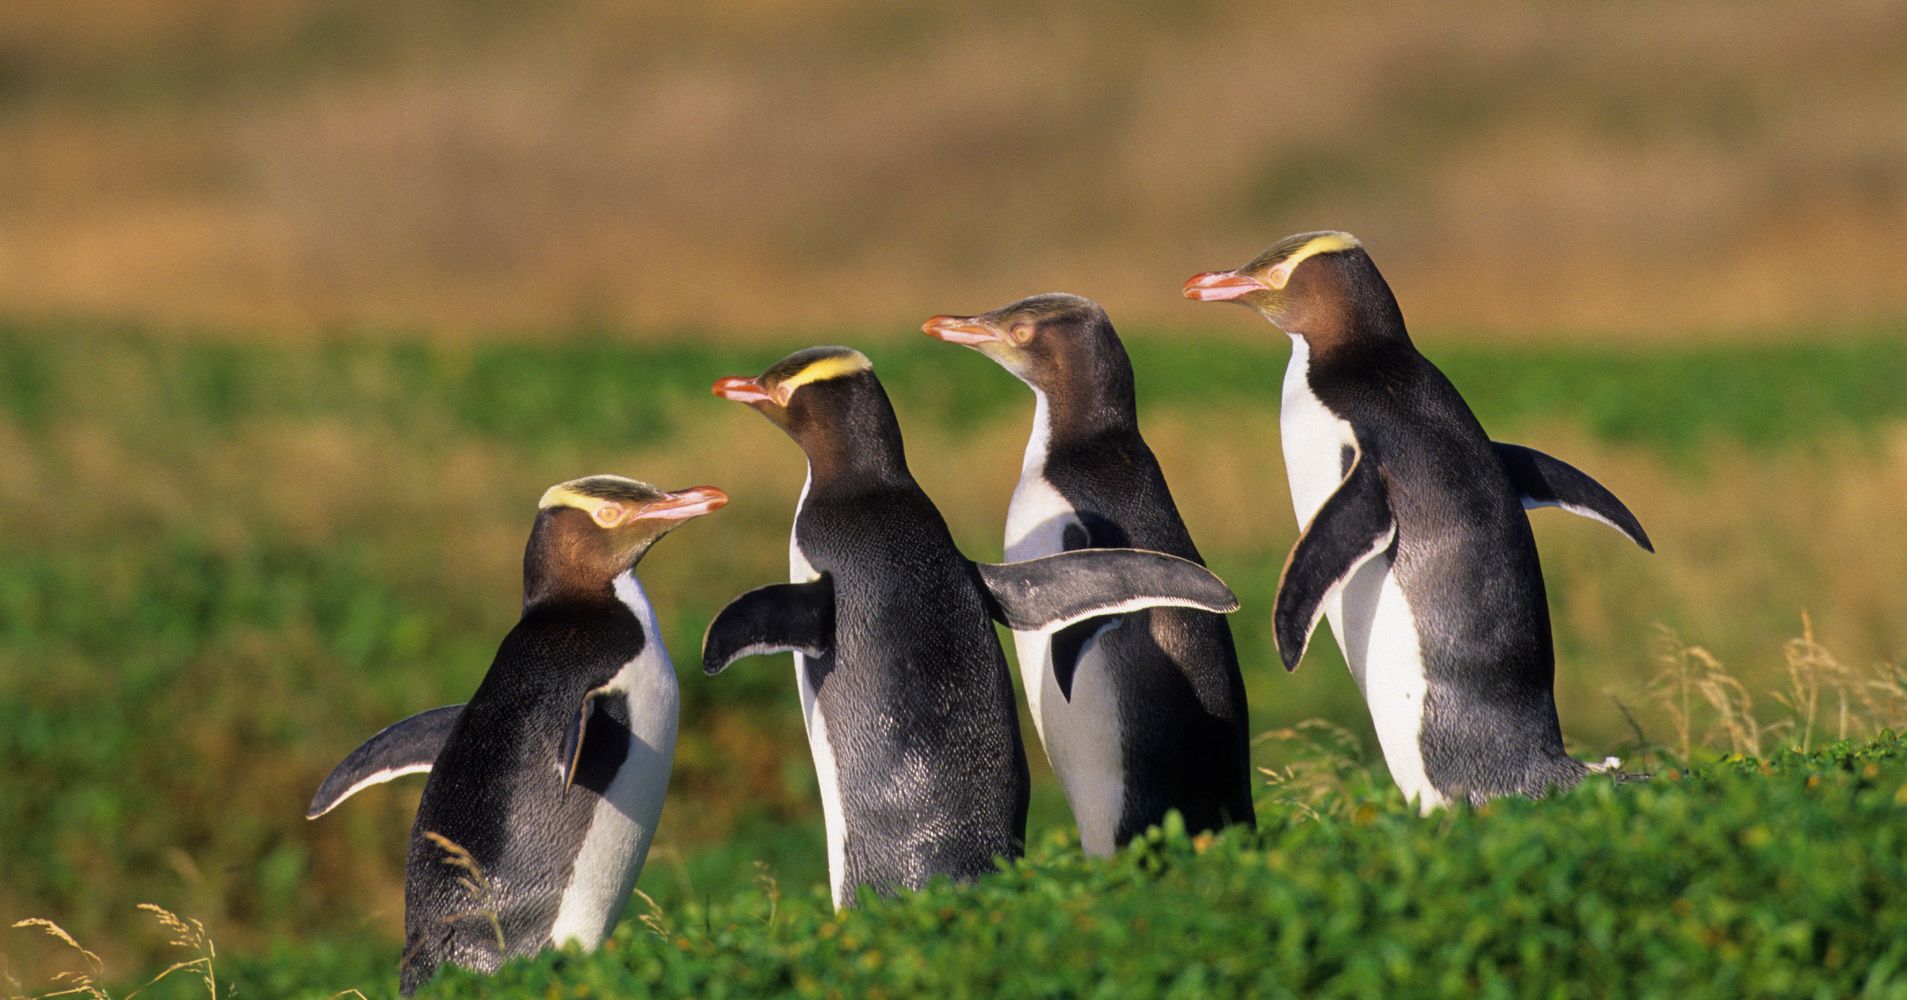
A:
(682, 505)
(1221, 286)
(740, 389)
(965, 330)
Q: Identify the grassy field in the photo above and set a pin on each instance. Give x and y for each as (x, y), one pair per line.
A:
(224, 564)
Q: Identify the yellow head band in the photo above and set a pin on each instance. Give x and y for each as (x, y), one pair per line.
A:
(1321, 243)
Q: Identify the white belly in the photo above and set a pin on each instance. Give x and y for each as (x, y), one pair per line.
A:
(625, 820)
(800, 570)
(1369, 617)
(1081, 736)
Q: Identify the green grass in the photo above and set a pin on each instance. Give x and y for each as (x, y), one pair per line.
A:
(593, 390)
(226, 563)
(1742, 878)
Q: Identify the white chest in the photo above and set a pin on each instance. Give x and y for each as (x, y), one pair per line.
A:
(624, 823)
(1314, 438)
(1037, 516)
(1369, 616)
(1081, 736)
(800, 570)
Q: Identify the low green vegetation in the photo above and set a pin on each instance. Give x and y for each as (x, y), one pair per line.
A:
(224, 564)
(1740, 878)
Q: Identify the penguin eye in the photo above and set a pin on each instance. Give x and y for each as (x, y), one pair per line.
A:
(608, 515)
(1022, 334)
(782, 394)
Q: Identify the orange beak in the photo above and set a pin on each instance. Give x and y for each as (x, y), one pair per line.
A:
(680, 505)
(959, 330)
(1221, 286)
(740, 389)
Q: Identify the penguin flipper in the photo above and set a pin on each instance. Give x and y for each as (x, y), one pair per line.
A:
(1354, 524)
(1052, 592)
(407, 747)
(569, 757)
(1547, 481)
(778, 618)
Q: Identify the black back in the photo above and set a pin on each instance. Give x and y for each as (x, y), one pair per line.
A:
(920, 709)
(495, 790)
(1464, 557)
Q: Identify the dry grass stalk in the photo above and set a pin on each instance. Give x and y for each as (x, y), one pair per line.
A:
(1813, 671)
(188, 934)
(1884, 695)
(475, 884)
(73, 982)
(655, 919)
(1322, 756)
(1694, 678)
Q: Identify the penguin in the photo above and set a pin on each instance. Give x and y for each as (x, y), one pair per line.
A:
(1141, 713)
(904, 688)
(1415, 545)
(546, 787)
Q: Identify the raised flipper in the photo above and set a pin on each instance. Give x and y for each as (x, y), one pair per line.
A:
(778, 618)
(1052, 592)
(408, 747)
(1546, 481)
(1353, 525)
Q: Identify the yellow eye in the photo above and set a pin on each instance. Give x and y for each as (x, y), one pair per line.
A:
(1022, 334)
(608, 515)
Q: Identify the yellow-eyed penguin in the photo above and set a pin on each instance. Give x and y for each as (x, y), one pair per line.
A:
(1415, 543)
(1141, 713)
(546, 787)
(904, 689)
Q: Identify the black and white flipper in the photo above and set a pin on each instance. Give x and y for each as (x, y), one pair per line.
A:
(1547, 481)
(1055, 591)
(407, 747)
(570, 756)
(1354, 524)
(778, 618)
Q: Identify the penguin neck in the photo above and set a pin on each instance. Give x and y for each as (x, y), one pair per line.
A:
(565, 590)
(1345, 310)
(1085, 408)
(555, 573)
(857, 444)
(857, 459)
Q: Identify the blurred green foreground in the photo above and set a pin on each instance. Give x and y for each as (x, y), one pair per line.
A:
(223, 565)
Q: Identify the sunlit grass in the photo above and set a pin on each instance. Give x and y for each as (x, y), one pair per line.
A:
(223, 565)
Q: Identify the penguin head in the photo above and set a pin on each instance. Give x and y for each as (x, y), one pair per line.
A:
(590, 530)
(828, 400)
(1311, 284)
(1049, 341)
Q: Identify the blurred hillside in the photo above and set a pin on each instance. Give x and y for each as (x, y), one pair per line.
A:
(303, 164)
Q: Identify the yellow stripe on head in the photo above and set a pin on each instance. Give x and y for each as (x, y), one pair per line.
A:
(816, 364)
(608, 500)
(1285, 255)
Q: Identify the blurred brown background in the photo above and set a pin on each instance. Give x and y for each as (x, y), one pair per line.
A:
(299, 165)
